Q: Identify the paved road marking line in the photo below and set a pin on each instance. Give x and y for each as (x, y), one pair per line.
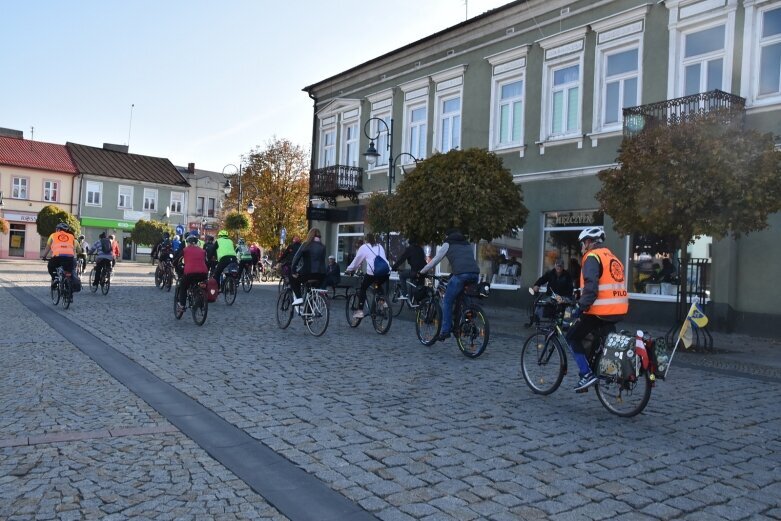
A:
(62, 436)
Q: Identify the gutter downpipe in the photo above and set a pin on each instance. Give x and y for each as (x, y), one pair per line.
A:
(312, 157)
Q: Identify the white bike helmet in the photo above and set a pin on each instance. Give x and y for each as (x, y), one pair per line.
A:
(596, 233)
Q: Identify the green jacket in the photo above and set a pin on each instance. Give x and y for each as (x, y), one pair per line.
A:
(225, 248)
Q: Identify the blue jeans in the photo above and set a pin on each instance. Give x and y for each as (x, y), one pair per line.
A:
(454, 287)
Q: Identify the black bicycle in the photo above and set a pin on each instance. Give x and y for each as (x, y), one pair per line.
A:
(61, 290)
(230, 283)
(104, 282)
(544, 361)
(415, 294)
(376, 306)
(164, 273)
(196, 300)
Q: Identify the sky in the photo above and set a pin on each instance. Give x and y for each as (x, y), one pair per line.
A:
(195, 81)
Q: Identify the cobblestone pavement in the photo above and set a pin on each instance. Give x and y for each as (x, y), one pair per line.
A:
(405, 431)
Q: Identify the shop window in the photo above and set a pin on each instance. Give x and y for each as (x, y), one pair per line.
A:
(560, 238)
(16, 236)
(655, 263)
(347, 237)
(500, 260)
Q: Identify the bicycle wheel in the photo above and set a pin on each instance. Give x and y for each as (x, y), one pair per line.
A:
(200, 306)
(246, 281)
(316, 313)
(350, 308)
(624, 397)
(106, 282)
(263, 277)
(397, 305)
(177, 313)
(158, 277)
(382, 315)
(92, 287)
(229, 293)
(473, 331)
(428, 321)
(67, 293)
(54, 292)
(169, 279)
(543, 363)
(281, 285)
(284, 309)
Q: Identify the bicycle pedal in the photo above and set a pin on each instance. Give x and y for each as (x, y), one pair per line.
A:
(579, 391)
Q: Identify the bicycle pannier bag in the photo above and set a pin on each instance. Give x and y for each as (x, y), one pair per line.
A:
(75, 282)
(212, 290)
(618, 358)
(381, 267)
(660, 356)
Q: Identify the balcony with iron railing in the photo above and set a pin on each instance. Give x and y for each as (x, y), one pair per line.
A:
(333, 181)
(729, 109)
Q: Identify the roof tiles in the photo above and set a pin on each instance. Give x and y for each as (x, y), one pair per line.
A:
(26, 153)
(121, 165)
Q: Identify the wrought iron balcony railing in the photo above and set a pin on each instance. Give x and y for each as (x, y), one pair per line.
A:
(336, 180)
(729, 107)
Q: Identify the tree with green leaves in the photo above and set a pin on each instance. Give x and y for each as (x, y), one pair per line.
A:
(236, 223)
(149, 232)
(696, 178)
(466, 189)
(276, 179)
(50, 216)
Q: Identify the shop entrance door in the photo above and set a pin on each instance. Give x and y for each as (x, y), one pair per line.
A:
(127, 248)
(16, 240)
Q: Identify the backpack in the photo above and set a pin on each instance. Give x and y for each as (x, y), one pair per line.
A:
(105, 245)
(381, 268)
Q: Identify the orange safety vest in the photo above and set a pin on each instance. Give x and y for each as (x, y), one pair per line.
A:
(612, 298)
(62, 243)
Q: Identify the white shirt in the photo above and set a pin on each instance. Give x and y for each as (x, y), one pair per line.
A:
(367, 253)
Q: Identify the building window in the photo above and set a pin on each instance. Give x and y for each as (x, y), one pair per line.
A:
(500, 260)
(199, 205)
(350, 144)
(328, 147)
(703, 60)
(51, 191)
(16, 239)
(347, 236)
(150, 199)
(381, 144)
(565, 101)
(415, 134)
(20, 188)
(619, 86)
(560, 238)
(212, 205)
(449, 127)
(125, 197)
(770, 53)
(94, 193)
(654, 265)
(177, 202)
(508, 113)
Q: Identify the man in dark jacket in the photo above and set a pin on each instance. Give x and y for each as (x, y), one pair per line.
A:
(464, 270)
(558, 280)
(416, 258)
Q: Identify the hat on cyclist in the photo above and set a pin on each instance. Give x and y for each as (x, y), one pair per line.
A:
(596, 233)
(332, 257)
(192, 239)
(176, 237)
(222, 233)
(63, 226)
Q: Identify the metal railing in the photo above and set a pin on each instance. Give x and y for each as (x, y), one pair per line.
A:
(335, 180)
(729, 109)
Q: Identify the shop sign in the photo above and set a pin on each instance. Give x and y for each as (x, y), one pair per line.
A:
(97, 222)
(317, 214)
(574, 219)
(21, 217)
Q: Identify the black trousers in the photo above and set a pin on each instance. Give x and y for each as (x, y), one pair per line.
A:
(187, 281)
(100, 265)
(222, 264)
(368, 280)
(56, 262)
(297, 280)
(584, 325)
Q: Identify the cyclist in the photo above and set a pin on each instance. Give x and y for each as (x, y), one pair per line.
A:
(245, 257)
(104, 255)
(114, 249)
(368, 251)
(464, 270)
(226, 253)
(210, 247)
(311, 255)
(83, 253)
(416, 258)
(603, 297)
(163, 248)
(558, 280)
(286, 257)
(195, 269)
(62, 245)
(254, 250)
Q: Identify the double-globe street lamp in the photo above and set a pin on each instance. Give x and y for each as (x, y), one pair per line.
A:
(228, 187)
(372, 155)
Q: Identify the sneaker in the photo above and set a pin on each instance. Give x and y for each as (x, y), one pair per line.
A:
(298, 301)
(358, 313)
(179, 308)
(586, 381)
(443, 336)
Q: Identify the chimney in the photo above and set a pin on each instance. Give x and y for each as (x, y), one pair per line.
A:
(190, 168)
(115, 148)
(9, 132)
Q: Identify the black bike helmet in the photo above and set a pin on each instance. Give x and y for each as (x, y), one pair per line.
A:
(192, 239)
(63, 226)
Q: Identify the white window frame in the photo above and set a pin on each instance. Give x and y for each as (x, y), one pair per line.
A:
(702, 60)
(150, 199)
(507, 67)
(20, 187)
(549, 93)
(128, 196)
(416, 95)
(177, 198)
(93, 194)
(54, 185)
(349, 153)
(328, 148)
(448, 85)
(600, 78)
(752, 54)
(687, 17)
(381, 108)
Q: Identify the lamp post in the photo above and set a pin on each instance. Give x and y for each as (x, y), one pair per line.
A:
(372, 155)
(228, 187)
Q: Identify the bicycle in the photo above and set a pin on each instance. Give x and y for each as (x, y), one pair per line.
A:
(246, 279)
(196, 301)
(230, 281)
(61, 289)
(544, 362)
(377, 307)
(314, 311)
(470, 324)
(104, 282)
(164, 273)
(270, 272)
(415, 294)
